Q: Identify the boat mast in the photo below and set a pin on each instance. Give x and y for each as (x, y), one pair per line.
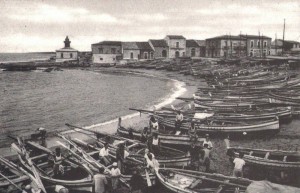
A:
(283, 35)
(275, 43)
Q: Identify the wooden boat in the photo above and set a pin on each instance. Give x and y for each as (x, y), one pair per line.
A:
(266, 186)
(221, 127)
(10, 176)
(91, 157)
(77, 176)
(33, 179)
(164, 136)
(167, 156)
(272, 159)
(185, 181)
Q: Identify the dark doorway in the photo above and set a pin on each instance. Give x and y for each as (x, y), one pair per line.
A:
(176, 54)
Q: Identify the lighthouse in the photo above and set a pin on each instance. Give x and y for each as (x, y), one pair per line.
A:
(66, 53)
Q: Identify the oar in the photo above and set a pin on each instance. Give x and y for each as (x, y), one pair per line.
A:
(148, 178)
(11, 182)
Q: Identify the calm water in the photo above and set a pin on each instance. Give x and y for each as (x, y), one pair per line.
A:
(24, 57)
(39, 99)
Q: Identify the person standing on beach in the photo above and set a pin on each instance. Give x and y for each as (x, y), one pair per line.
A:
(144, 135)
(153, 124)
(115, 175)
(155, 144)
(104, 155)
(193, 151)
(239, 164)
(137, 182)
(178, 121)
(100, 182)
(208, 142)
(205, 158)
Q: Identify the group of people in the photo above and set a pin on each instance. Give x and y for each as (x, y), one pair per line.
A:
(201, 157)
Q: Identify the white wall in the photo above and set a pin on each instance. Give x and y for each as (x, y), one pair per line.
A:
(104, 58)
(66, 56)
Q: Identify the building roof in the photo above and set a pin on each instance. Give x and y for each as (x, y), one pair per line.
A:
(159, 43)
(130, 46)
(69, 49)
(191, 43)
(175, 37)
(255, 36)
(200, 42)
(227, 37)
(144, 46)
(109, 43)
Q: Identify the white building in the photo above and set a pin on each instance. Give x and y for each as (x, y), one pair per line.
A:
(177, 45)
(107, 52)
(67, 53)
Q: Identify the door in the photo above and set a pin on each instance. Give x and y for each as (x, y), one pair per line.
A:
(164, 53)
(176, 54)
(193, 52)
(131, 55)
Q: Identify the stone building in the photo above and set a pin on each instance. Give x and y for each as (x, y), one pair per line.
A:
(137, 50)
(289, 46)
(107, 52)
(146, 51)
(226, 46)
(161, 48)
(177, 45)
(192, 48)
(201, 43)
(257, 46)
(66, 53)
(130, 51)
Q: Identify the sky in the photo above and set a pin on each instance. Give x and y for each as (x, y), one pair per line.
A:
(42, 25)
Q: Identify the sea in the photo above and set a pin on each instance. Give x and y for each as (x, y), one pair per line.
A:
(25, 57)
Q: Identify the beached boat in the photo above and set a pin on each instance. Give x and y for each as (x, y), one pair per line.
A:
(164, 136)
(221, 127)
(272, 159)
(77, 176)
(11, 176)
(185, 181)
(268, 187)
(168, 157)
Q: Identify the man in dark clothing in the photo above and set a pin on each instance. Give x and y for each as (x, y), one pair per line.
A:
(136, 182)
(194, 153)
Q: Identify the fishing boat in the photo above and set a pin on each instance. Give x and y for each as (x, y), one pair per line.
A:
(271, 159)
(11, 177)
(224, 127)
(168, 157)
(165, 137)
(185, 181)
(77, 176)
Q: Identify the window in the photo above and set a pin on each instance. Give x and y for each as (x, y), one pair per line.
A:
(251, 44)
(177, 44)
(62, 55)
(113, 50)
(100, 50)
(131, 55)
(71, 55)
(265, 44)
(151, 55)
(101, 58)
(114, 59)
(183, 53)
